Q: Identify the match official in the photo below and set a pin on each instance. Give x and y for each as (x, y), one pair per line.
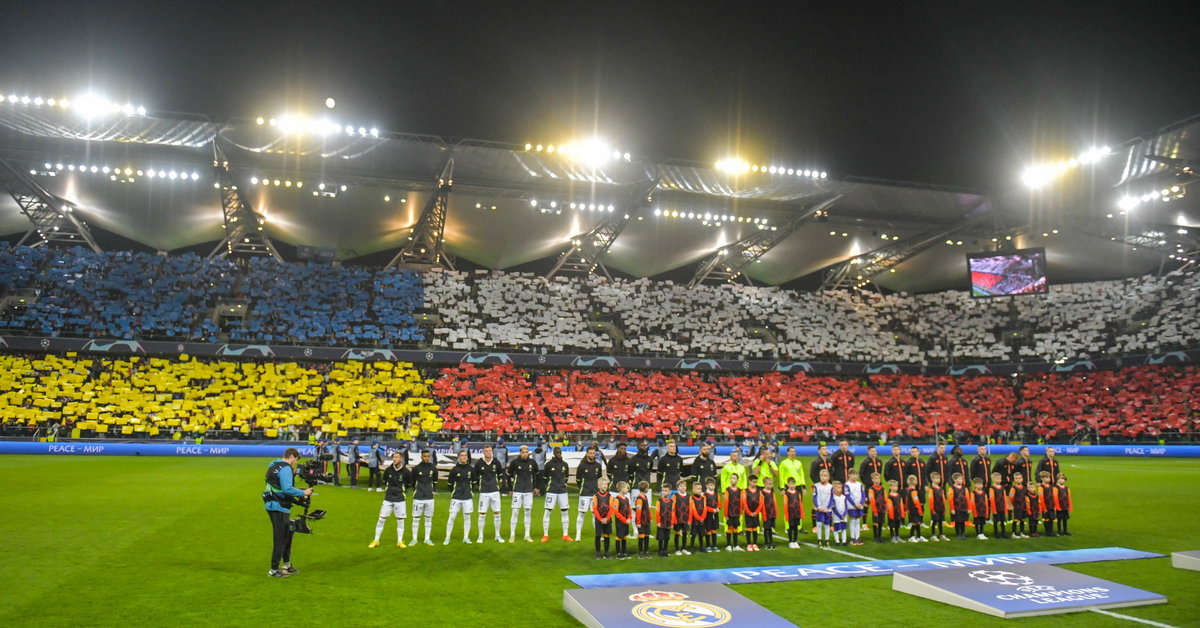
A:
(278, 497)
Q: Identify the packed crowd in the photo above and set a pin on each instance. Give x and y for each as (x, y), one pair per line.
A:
(135, 296)
(136, 396)
(139, 396)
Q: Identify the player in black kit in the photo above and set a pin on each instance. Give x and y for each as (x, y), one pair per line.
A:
(486, 475)
(460, 496)
(395, 478)
(424, 482)
(522, 472)
(556, 473)
(586, 475)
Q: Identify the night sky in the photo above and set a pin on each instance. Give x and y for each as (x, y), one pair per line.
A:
(959, 94)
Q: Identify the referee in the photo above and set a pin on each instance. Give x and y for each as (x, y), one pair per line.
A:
(278, 497)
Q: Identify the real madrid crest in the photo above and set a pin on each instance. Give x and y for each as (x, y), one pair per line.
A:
(666, 608)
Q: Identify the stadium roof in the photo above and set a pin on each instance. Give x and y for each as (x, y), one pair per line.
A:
(359, 191)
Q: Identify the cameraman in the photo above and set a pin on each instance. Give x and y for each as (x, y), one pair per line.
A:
(278, 497)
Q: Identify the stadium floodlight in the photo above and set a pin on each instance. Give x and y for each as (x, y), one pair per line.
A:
(330, 103)
(1093, 154)
(1128, 203)
(1038, 175)
(90, 105)
(592, 152)
(733, 165)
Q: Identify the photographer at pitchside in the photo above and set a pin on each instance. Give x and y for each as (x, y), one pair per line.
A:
(278, 497)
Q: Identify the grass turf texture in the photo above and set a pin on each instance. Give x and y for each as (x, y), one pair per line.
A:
(112, 540)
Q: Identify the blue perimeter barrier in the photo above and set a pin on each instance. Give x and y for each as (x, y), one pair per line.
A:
(94, 448)
(857, 569)
(258, 450)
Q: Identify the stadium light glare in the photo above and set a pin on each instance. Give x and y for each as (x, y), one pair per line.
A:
(592, 152)
(330, 103)
(90, 105)
(733, 165)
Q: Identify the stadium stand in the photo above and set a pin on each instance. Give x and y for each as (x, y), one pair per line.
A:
(323, 304)
(636, 404)
(138, 396)
(135, 296)
(511, 311)
(147, 397)
(140, 296)
(111, 295)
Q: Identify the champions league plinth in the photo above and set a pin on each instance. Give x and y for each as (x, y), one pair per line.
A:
(695, 605)
(1020, 590)
(1186, 560)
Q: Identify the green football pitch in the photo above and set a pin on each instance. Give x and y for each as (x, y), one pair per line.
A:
(155, 541)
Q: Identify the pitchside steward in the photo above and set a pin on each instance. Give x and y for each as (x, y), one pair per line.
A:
(278, 497)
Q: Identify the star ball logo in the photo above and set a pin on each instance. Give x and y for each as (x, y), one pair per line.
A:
(666, 608)
(1006, 578)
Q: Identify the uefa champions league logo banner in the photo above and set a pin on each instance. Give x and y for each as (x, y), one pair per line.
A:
(691, 605)
(856, 569)
(1021, 590)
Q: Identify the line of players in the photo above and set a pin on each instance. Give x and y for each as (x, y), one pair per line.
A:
(839, 513)
(485, 476)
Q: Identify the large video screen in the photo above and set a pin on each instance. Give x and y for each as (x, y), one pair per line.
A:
(1009, 273)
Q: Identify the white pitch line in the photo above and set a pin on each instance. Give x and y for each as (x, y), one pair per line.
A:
(1131, 618)
(830, 549)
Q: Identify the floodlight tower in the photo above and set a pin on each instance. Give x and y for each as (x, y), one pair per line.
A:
(53, 218)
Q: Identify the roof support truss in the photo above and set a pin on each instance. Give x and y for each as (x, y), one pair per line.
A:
(728, 262)
(245, 234)
(858, 271)
(425, 244)
(1177, 243)
(588, 249)
(53, 218)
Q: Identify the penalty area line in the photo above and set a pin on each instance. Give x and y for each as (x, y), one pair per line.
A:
(1131, 618)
